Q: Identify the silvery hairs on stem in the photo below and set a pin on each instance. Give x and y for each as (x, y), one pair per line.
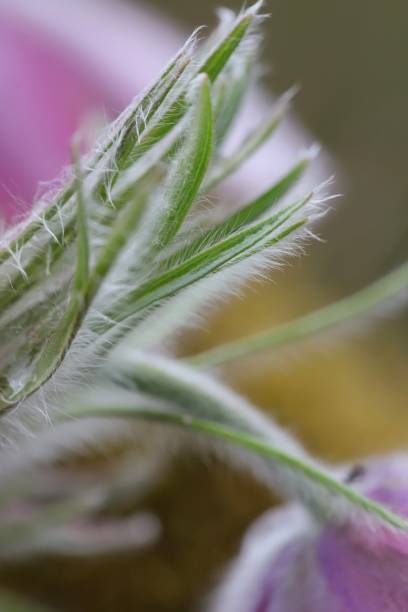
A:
(130, 249)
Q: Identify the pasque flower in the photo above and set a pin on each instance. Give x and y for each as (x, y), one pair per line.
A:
(288, 563)
(117, 215)
(95, 281)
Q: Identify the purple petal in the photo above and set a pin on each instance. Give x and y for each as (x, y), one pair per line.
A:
(363, 578)
(289, 563)
(277, 570)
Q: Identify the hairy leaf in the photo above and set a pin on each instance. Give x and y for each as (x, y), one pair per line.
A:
(225, 253)
(200, 404)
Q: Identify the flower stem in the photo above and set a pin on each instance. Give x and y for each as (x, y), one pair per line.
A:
(347, 309)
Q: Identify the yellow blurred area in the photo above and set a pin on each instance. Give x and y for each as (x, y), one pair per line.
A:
(343, 394)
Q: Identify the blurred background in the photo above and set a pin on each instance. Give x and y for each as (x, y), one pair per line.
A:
(351, 65)
(346, 398)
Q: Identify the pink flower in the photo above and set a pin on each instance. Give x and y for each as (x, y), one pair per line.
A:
(288, 563)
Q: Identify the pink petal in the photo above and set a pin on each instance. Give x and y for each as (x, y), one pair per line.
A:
(362, 579)
(50, 88)
(44, 101)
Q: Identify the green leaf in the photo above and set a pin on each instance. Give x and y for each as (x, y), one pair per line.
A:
(219, 57)
(82, 265)
(230, 228)
(20, 235)
(223, 254)
(360, 303)
(262, 204)
(54, 350)
(48, 273)
(246, 214)
(124, 144)
(51, 343)
(230, 91)
(131, 142)
(36, 270)
(189, 167)
(224, 167)
(212, 65)
(123, 229)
